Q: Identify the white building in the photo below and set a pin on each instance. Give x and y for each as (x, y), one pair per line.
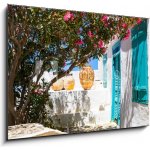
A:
(120, 91)
(127, 68)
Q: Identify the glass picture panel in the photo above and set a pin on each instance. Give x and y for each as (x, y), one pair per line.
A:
(75, 72)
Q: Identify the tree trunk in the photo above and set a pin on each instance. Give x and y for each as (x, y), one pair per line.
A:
(11, 78)
(11, 111)
(11, 119)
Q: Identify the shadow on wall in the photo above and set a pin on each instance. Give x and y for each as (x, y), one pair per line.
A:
(132, 114)
(126, 97)
(70, 109)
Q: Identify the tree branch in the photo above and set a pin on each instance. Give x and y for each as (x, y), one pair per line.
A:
(67, 72)
(16, 42)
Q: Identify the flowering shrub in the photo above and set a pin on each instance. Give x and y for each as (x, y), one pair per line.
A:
(36, 109)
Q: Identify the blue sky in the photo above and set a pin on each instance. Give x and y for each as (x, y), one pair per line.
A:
(93, 63)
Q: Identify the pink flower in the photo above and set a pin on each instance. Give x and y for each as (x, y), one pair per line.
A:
(95, 46)
(139, 20)
(79, 42)
(68, 16)
(127, 35)
(104, 18)
(38, 91)
(90, 34)
(100, 44)
(124, 25)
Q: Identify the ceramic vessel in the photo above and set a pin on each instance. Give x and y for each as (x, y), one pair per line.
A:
(58, 85)
(86, 76)
(69, 82)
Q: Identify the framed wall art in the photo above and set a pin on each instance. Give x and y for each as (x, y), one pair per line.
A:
(75, 72)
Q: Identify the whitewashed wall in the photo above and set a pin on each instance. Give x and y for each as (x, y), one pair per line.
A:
(140, 113)
(66, 103)
(132, 114)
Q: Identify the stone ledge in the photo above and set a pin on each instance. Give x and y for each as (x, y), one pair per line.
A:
(30, 130)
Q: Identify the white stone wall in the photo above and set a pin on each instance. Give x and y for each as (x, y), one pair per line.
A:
(80, 107)
(126, 83)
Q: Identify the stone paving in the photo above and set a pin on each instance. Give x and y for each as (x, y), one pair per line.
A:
(38, 130)
(140, 115)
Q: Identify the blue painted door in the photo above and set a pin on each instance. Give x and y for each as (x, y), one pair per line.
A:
(139, 64)
(116, 82)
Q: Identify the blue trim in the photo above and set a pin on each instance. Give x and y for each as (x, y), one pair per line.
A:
(116, 48)
(116, 83)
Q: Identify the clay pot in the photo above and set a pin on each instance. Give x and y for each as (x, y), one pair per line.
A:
(86, 76)
(69, 82)
(58, 85)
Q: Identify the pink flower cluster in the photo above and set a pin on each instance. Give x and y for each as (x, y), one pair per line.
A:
(68, 16)
(124, 25)
(127, 35)
(104, 19)
(139, 20)
(90, 34)
(38, 91)
(100, 44)
(79, 42)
